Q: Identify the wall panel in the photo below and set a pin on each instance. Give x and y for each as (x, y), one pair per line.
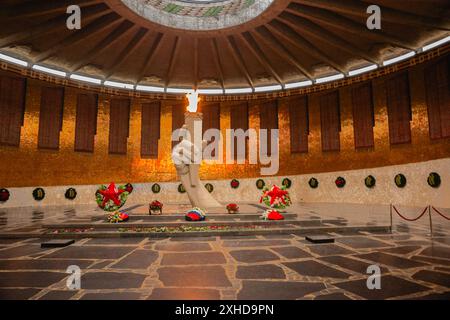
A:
(119, 126)
(299, 124)
(363, 115)
(330, 121)
(86, 122)
(50, 117)
(150, 131)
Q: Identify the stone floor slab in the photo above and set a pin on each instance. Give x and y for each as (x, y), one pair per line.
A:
(183, 246)
(195, 276)
(191, 258)
(332, 296)
(251, 256)
(112, 296)
(59, 295)
(277, 290)
(184, 294)
(391, 260)
(21, 251)
(256, 243)
(30, 279)
(313, 268)
(265, 271)
(91, 252)
(291, 252)
(439, 278)
(111, 280)
(328, 250)
(43, 264)
(350, 264)
(362, 242)
(436, 252)
(139, 259)
(17, 294)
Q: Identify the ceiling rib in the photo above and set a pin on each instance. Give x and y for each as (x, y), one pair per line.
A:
(231, 43)
(150, 56)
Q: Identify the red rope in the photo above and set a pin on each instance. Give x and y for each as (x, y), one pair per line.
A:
(407, 219)
(439, 213)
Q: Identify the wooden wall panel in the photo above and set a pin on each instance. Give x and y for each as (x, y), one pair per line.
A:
(437, 84)
(211, 118)
(178, 111)
(50, 117)
(150, 131)
(363, 115)
(299, 124)
(86, 122)
(12, 108)
(239, 120)
(119, 126)
(268, 119)
(399, 109)
(330, 121)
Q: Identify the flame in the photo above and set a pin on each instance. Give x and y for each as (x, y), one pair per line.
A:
(193, 101)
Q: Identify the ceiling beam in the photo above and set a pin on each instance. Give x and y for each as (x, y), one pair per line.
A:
(302, 25)
(172, 61)
(150, 56)
(339, 22)
(267, 37)
(359, 9)
(237, 56)
(90, 29)
(260, 55)
(105, 43)
(127, 51)
(48, 26)
(217, 62)
(293, 37)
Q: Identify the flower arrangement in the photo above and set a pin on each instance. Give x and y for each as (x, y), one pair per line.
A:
(155, 207)
(232, 208)
(117, 217)
(276, 197)
(272, 215)
(195, 214)
(340, 182)
(234, 183)
(111, 198)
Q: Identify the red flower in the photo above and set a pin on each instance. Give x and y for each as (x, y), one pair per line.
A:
(233, 207)
(156, 204)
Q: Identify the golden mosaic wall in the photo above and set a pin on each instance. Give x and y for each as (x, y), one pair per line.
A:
(28, 166)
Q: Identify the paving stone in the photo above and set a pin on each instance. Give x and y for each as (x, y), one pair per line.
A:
(291, 252)
(430, 260)
(183, 247)
(17, 294)
(33, 279)
(444, 240)
(9, 241)
(414, 243)
(91, 252)
(277, 290)
(332, 296)
(115, 241)
(391, 260)
(394, 237)
(43, 264)
(434, 296)
(350, 264)
(257, 255)
(278, 236)
(21, 251)
(193, 239)
(59, 295)
(139, 259)
(101, 264)
(198, 277)
(402, 249)
(224, 238)
(313, 268)
(256, 243)
(112, 296)
(436, 252)
(329, 250)
(111, 280)
(190, 258)
(184, 294)
(362, 242)
(391, 287)
(439, 278)
(264, 271)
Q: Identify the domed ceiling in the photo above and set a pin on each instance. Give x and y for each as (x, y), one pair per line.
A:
(217, 44)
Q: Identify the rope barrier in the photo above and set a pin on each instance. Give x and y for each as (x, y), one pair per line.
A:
(439, 213)
(408, 219)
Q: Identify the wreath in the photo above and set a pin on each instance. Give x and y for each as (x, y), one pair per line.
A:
(71, 194)
(38, 194)
(340, 182)
(111, 198)
(156, 188)
(129, 188)
(4, 195)
(260, 184)
(275, 197)
(117, 217)
(235, 183)
(370, 181)
(287, 183)
(181, 188)
(313, 183)
(400, 180)
(209, 187)
(434, 180)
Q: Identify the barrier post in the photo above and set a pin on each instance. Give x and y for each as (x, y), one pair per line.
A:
(431, 221)
(390, 212)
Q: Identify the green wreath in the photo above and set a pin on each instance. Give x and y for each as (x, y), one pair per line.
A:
(313, 183)
(234, 184)
(286, 183)
(370, 181)
(4, 195)
(71, 194)
(400, 180)
(156, 188)
(38, 194)
(340, 182)
(209, 187)
(260, 184)
(110, 206)
(181, 188)
(434, 180)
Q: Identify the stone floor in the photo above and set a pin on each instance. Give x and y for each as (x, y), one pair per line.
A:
(414, 265)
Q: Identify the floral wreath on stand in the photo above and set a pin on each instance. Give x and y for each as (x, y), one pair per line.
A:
(235, 183)
(434, 180)
(276, 197)
(4, 195)
(110, 198)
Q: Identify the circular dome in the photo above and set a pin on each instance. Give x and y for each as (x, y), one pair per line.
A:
(198, 14)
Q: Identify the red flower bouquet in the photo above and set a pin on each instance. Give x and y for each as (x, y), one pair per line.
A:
(272, 215)
(232, 208)
(155, 207)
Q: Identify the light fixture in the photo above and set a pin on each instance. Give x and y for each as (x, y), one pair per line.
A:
(13, 60)
(298, 84)
(49, 70)
(238, 90)
(362, 70)
(436, 44)
(330, 78)
(268, 88)
(78, 77)
(399, 58)
(179, 90)
(149, 88)
(118, 85)
(210, 91)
